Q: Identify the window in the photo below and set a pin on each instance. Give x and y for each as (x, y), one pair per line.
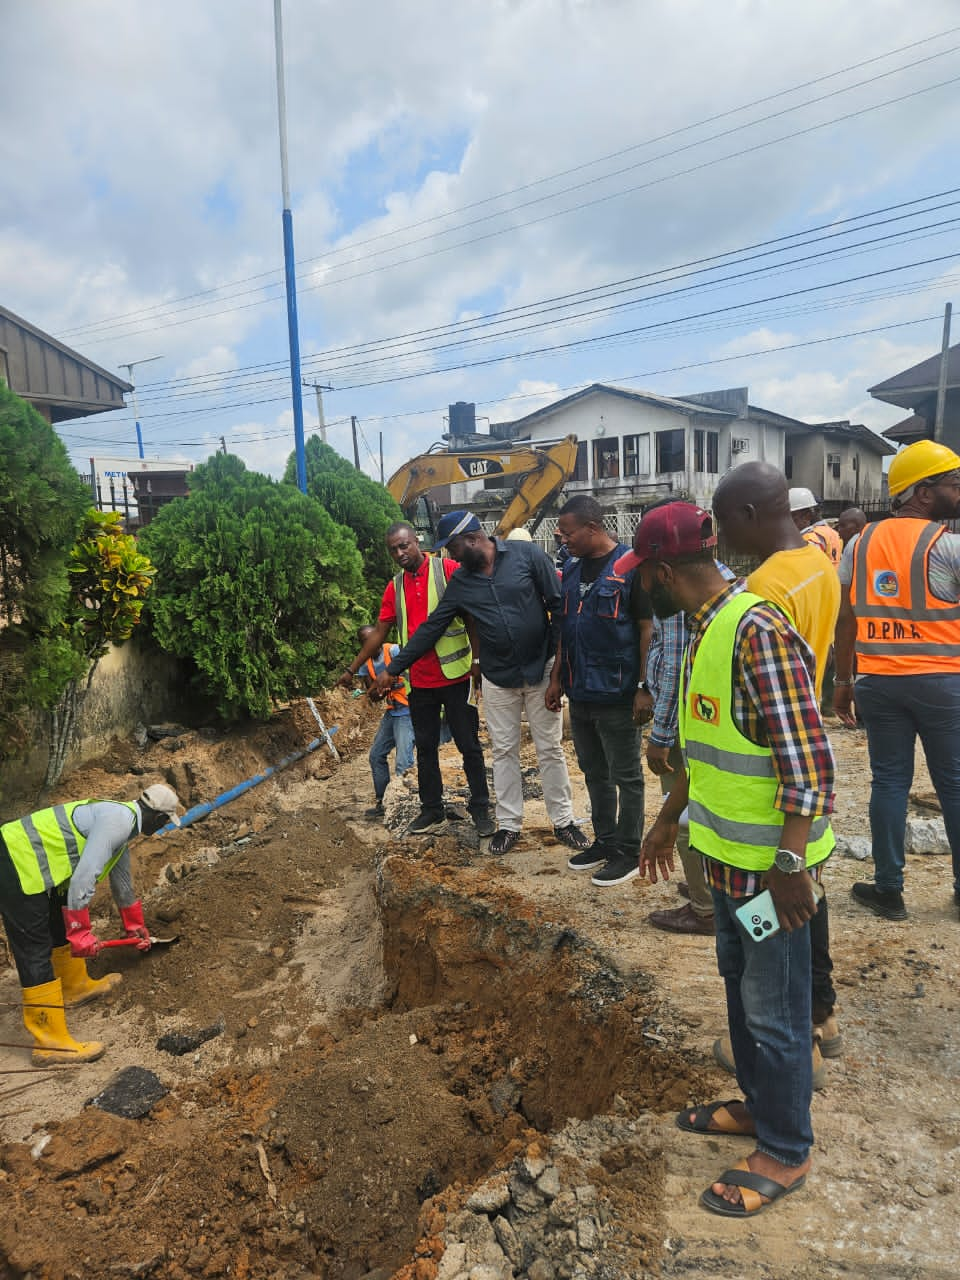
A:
(833, 464)
(4, 371)
(671, 446)
(713, 452)
(788, 466)
(606, 459)
(580, 473)
(706, 451)
(636, 455)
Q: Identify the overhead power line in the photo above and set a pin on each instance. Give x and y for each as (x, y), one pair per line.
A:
(765, 248)
(163, 310)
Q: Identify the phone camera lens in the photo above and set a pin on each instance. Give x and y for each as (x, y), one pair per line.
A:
(758, 932)
(755, 919)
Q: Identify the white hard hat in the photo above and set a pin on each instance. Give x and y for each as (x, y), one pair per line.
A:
(163, 799)
(519, 535)
(802, 500)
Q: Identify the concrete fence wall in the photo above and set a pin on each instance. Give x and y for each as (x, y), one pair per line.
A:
(131, 685)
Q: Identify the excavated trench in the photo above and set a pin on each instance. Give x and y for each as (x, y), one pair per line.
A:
(499, 1027)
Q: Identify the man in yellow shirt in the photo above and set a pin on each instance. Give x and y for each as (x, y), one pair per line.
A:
(752, 509)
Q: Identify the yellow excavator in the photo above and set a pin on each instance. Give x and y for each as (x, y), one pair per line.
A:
(541, 474)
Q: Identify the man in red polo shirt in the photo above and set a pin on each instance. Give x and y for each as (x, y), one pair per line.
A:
(440, 680)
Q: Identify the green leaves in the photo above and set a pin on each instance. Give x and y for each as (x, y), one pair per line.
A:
(109, 579)
(353, 500)
(254, 581)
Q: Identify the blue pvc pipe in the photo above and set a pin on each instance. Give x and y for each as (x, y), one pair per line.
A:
(201, 810)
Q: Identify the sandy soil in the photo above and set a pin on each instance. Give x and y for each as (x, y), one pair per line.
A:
(402, 1016)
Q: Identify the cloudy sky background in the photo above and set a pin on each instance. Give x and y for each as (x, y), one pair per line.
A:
(452, 162)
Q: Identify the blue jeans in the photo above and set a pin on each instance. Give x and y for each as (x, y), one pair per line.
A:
(896, 710)
(394, 732)
(607, 743)
(768, 1011)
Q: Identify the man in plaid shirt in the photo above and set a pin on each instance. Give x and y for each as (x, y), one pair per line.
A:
(759, 789)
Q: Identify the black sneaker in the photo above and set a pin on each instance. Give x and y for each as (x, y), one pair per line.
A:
(377, 811)
(424, 821)
(621, 868)
(593, 856)
(503, 841)
(882, 902)
(484, 823)
(572, 836)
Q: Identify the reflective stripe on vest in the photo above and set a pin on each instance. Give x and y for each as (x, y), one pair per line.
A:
(45, 846)
(733, 783)
(902, 629)
(453, 648)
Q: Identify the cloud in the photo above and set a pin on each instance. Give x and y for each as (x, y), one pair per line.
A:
(144, 144)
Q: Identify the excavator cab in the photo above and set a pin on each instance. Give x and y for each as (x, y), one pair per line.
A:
(539, 472)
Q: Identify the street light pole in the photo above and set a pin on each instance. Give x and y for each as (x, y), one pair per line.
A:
(133, 395)
(289, 267)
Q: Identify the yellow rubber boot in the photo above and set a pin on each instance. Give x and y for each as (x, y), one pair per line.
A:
(78, 987)
(44, 1018)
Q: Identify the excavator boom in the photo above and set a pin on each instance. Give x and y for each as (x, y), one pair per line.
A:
(543, 472)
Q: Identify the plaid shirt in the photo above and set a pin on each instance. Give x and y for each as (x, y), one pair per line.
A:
(664, 661)
(774, 705)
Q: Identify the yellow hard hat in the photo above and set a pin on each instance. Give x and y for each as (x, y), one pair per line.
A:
(919, 462)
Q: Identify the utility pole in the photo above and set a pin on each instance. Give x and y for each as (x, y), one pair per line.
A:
(381, 458)
(319, 388)
(289, 262)
(133, 395)
(356, 450)
(223, 445)
(942, 384)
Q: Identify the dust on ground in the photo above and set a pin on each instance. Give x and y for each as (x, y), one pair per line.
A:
(402, 1018)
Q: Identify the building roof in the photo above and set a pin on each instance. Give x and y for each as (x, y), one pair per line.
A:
(853, 431)
(909, 430)
(906, 389)
(54, 377)
(686, 407)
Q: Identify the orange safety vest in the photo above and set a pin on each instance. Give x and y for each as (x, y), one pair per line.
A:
(827, 539)
(902, 630)
(397, 693)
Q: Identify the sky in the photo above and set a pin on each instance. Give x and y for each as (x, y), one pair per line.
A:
(496, 201)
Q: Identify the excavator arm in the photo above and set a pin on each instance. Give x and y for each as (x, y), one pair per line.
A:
(543, 473)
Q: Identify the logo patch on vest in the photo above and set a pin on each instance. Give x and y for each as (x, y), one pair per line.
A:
(885, 583)
(705, 709)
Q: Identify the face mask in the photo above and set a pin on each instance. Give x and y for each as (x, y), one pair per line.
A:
(664, 605)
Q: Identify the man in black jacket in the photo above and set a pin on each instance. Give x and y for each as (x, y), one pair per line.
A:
(512, 592)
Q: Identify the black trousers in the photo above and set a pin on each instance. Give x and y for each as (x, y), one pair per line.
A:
(464, 722)
(33, 923)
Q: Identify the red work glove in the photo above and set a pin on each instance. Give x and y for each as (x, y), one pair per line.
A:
(83, 941)
(135, 925)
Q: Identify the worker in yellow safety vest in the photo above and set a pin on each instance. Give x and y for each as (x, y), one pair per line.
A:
(758, 794)
(50, 864)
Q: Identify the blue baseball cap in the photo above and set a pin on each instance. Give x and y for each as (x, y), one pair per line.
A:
(454, 523)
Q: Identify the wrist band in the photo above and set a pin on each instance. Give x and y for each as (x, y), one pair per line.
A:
(844, 684)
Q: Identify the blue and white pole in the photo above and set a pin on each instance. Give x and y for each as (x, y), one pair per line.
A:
(289, 267)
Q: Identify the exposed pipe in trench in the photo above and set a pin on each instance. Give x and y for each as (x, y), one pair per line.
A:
(201, 810)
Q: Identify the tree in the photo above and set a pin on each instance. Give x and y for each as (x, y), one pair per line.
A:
(109, 583)
(257, 587)
(354, 500)
(42, 501)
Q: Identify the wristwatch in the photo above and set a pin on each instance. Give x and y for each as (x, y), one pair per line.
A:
(644, 686)
(789, 863)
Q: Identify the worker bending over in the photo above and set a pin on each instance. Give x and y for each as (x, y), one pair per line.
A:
(50, 864)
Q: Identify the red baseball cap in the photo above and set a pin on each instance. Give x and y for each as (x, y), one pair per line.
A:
(677, 529)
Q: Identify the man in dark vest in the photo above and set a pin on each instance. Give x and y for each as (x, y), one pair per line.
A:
(50, 864)
(605, 626)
